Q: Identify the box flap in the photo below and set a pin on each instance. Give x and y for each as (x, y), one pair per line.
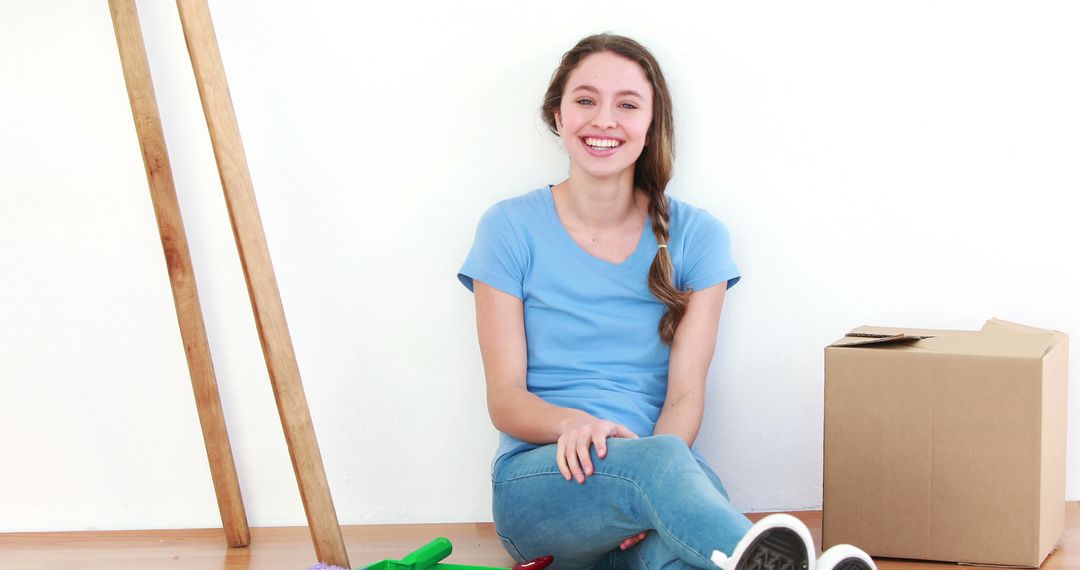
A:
(865, 335)
(857, 339)
(997, 338)
(865, 329)
(987, 343)
(1003, 325)
(1057, 337)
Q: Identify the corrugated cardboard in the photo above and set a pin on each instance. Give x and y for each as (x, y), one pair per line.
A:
(946, 445)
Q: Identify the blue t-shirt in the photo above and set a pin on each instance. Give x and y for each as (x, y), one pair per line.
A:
(591, 325)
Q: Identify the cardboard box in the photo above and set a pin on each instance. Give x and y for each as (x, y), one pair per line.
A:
(946, 445)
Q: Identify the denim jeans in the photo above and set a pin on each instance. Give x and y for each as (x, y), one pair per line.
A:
(654, 483)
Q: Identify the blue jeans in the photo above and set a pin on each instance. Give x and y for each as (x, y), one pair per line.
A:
(653, 483)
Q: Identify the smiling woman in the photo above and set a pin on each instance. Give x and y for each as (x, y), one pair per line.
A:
(606, 113)
(596, 336)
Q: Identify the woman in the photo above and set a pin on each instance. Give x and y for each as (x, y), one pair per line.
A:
(597, 305)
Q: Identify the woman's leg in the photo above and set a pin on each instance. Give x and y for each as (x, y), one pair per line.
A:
(651, 554)
(652, 483)
(713, 478)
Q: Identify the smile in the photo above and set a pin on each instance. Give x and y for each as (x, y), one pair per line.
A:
(601, 144)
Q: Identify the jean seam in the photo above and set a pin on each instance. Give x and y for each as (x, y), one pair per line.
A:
(506, 540)
(637, 552)
(526, 476)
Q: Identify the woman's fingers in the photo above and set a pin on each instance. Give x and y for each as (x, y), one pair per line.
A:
(560, 459)
(630, 542)
(623, 431)
(585, 458)
(567, 453)
(600, 441)
(572, 453)
(572, 462)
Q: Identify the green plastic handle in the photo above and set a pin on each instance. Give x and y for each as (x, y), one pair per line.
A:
(429, 554)
(463, 567)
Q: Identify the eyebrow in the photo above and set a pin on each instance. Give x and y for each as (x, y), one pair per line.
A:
(597, 91)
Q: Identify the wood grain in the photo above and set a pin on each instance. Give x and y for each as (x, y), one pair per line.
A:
(261, 283)
(287, 548)
(144, 109)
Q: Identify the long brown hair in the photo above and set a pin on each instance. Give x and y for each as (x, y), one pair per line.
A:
(652, 171)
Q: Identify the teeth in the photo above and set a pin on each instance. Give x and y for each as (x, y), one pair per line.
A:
(602, 143)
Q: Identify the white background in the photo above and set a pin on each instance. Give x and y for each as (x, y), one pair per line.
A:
(905, 164)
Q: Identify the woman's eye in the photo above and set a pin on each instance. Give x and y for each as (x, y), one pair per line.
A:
(588, 101)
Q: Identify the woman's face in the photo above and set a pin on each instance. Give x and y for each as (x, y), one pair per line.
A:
(605, 114)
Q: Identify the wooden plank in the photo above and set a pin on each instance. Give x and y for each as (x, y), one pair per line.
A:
(278, 548)
(286, 548)
(262, 284)
(144, 109)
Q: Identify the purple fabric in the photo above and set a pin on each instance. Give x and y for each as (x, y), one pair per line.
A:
(325, 566)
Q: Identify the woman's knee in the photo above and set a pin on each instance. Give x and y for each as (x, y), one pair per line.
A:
(668, 445)
(657, 449)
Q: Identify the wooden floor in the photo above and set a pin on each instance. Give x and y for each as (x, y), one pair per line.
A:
(289, 548)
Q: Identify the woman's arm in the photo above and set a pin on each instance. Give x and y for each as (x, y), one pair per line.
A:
(500, 327)
(691, 353)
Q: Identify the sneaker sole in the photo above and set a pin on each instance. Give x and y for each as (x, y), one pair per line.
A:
(845, 557)
(776, 549)
(852, 564)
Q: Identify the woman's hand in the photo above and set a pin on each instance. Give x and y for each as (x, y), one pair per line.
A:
(572, 450)
(630, 542)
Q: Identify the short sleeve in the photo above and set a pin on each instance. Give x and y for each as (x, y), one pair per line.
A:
(708, 259)
(498, 257)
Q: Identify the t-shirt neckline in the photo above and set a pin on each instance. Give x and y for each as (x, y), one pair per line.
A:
(641, 252)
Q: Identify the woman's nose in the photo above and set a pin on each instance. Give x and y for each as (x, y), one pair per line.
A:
(603, 118)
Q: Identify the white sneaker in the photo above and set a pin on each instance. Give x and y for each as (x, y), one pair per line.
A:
(776, 542)
(845, 557)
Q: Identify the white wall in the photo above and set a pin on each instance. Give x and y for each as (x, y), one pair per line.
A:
(901, 164)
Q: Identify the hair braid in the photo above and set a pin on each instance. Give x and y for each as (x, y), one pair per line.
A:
(662, 271)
